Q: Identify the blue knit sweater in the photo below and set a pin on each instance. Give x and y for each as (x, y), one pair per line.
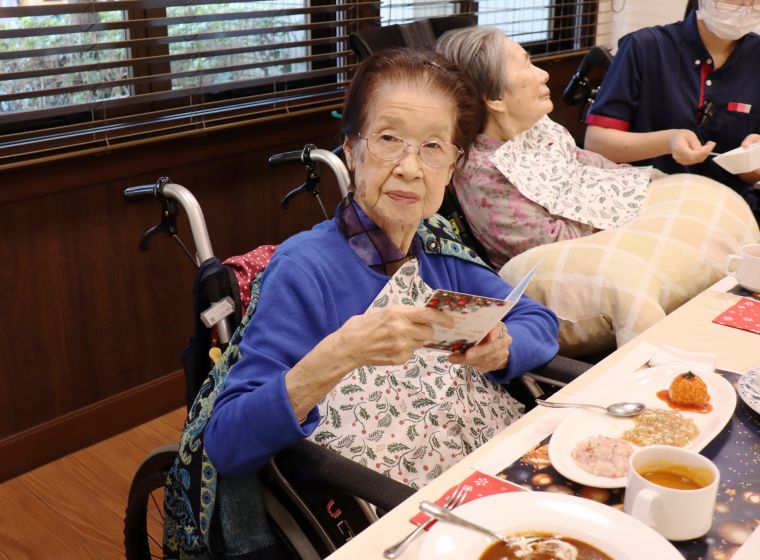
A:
(315, 283)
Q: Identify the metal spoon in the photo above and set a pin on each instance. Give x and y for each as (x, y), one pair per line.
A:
(617, 409)
(559, 549)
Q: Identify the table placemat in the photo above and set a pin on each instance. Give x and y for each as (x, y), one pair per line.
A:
(744, 315)
(736, 452)
(478, 485)
(739, 291)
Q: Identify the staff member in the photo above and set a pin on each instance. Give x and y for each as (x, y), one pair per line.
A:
(678, 92)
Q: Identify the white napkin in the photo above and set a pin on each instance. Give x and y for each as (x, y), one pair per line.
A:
(698, 362)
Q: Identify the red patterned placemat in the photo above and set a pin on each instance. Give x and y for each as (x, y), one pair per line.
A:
(479, 485)
(744, 314)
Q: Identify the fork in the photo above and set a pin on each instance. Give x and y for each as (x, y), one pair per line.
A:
(457, 497)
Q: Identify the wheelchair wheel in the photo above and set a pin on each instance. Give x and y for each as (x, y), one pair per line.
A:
(144, 517)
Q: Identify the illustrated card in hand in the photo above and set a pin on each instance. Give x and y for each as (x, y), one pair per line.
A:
(474, 315)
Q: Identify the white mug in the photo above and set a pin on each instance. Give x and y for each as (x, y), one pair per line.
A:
(745, 266)
(677, 514)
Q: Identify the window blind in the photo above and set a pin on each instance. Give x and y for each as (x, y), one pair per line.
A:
(91, 76)
(545, 28)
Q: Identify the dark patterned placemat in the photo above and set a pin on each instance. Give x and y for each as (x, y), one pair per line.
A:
(739, 291)
(736, 452)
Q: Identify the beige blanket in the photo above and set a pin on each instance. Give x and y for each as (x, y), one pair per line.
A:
(612, 285)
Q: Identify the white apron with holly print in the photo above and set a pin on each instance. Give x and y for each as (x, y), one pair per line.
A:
(412, 422)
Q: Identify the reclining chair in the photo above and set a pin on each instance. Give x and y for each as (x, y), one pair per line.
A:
(582, 88)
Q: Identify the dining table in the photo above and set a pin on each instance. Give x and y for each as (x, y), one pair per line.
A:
(517, 455)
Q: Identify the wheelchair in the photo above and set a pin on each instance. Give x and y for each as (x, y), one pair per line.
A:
(315, 500)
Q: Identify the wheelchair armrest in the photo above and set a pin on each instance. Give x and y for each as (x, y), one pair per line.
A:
(561, 370)
(346, 475)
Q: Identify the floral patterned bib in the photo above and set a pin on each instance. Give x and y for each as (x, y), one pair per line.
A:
(413, 421)
(542, 163)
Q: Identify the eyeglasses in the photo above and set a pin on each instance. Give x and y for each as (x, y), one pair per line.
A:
(434, 153)
(726, 6)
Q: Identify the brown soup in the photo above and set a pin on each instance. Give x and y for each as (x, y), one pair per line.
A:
(679, 477)
(671, 480)
(500, 551)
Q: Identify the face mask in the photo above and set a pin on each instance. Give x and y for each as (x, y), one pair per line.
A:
(732, 25)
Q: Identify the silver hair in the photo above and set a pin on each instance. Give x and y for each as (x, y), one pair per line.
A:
(479, 52)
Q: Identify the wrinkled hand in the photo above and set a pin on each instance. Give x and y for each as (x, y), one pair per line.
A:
(687, 149)
(391, 335)
(491, 354)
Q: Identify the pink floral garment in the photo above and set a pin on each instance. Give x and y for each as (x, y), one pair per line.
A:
(505, 222)
(414, 421)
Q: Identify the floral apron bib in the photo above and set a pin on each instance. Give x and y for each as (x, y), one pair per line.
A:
(413, 421)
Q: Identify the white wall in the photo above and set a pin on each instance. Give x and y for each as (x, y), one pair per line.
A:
(618, 17)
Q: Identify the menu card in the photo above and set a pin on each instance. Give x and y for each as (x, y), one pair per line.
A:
(475, 316)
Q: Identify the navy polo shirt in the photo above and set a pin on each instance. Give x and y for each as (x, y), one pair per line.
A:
(662, 76)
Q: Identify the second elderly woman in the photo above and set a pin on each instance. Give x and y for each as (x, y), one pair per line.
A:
(334, 352)
(526, 182)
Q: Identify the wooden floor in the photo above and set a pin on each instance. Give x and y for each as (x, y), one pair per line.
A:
(73, 508)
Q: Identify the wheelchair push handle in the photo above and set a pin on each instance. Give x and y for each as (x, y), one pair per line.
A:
(310, 156)
(288, 157)
(134, 194)
(169, 196)
(168, 223)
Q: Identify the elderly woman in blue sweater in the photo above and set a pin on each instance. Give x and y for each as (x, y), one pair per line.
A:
(334, 352)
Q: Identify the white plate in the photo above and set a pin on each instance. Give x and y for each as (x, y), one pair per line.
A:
(641, 386)
(749, 389)
(606, 528)
(740, 160)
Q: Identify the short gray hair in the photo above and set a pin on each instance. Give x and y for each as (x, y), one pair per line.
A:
(479, 53)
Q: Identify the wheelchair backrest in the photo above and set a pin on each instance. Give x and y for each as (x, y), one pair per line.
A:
(421, 33)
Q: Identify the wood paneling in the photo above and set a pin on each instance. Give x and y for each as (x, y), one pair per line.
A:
(89, 424)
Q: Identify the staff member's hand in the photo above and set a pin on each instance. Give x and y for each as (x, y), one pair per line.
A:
(491, 354)
(687, 149)
(752, 176)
